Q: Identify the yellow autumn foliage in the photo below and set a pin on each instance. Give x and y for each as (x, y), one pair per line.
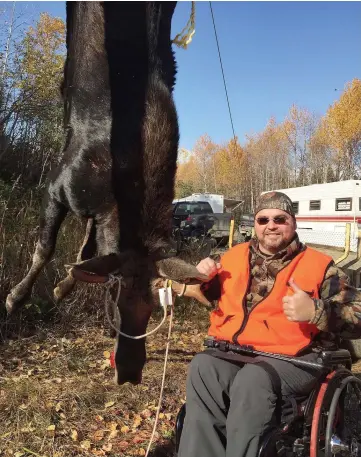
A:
(342, 123)
(42, 58)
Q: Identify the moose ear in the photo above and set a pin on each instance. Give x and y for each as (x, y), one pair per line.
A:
(179, 270)
(97, 269)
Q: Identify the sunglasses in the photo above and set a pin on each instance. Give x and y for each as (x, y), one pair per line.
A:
(278, 220)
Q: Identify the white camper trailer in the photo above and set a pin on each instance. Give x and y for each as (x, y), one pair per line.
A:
(322, 211)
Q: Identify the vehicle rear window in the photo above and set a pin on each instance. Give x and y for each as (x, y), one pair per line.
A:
(193, 208)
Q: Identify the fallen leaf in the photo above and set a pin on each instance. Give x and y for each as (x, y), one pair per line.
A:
(107, 447)
(27, 429)
(109, 404)
(123, 444)
(141, 451)
(137, 421)
(98, 452)
(125, 429)
(74, 435)
(98, 435)
(51, 430)
(106, 354)
(85, 444)
(58, 406)
(113, 434)
(146, 413)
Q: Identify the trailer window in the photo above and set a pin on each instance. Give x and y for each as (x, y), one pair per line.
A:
(343, 204)
(295, 207)
(315, 204)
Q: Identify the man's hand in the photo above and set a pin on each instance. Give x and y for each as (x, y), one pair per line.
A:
(298, 307)
(208, 267)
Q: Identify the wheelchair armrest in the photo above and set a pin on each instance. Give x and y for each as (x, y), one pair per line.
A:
(333, 359)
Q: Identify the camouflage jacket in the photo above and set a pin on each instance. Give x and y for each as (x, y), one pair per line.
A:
(338, 310)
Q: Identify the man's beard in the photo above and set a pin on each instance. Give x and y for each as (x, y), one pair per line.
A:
(276, 246)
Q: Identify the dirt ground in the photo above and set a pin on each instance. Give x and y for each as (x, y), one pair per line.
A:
(58, 397)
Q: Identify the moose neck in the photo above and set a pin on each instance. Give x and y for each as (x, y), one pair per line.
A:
(144, 134)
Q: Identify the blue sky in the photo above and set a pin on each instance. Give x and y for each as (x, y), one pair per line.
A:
(274, 54)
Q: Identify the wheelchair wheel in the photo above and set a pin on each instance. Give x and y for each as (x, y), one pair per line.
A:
(336, 422)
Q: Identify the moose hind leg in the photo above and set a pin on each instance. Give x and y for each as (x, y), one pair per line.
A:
(51, 219)
(87, 251)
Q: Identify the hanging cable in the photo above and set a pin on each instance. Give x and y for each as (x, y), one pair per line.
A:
(225, 88)
(224, 79)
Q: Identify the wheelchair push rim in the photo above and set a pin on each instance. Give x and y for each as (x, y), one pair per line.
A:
(336, 422)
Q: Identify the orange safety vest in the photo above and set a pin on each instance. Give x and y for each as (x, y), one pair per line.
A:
(265, 327)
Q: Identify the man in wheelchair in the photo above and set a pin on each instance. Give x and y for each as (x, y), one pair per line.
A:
(273, 380)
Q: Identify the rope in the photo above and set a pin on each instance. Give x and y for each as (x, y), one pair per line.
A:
(163, 380)
(183, 38)
(224, 79)
(110, 283)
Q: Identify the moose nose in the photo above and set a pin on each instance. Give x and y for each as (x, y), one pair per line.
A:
(123, 375)
(129, 360)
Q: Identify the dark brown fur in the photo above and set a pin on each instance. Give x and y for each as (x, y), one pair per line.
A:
(119, 160)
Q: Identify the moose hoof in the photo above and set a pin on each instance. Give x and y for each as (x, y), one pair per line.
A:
(63, 289)
(58, 295)
(14, 302)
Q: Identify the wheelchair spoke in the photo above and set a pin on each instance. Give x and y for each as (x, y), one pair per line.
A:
(343, 425)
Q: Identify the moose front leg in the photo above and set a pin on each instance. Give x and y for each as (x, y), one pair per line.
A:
(51, 219)
(87, 251)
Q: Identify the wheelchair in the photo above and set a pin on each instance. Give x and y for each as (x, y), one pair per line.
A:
(327, 423)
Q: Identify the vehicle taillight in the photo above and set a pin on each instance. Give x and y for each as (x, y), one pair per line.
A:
(189, 218)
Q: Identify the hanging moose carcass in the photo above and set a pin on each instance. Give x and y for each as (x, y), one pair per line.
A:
(118, 164)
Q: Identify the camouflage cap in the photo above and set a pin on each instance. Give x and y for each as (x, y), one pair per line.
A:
(275, 200)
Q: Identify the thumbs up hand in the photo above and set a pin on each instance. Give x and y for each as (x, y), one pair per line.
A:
(298, 307)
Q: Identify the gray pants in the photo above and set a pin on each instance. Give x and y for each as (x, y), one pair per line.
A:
(230, 406)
